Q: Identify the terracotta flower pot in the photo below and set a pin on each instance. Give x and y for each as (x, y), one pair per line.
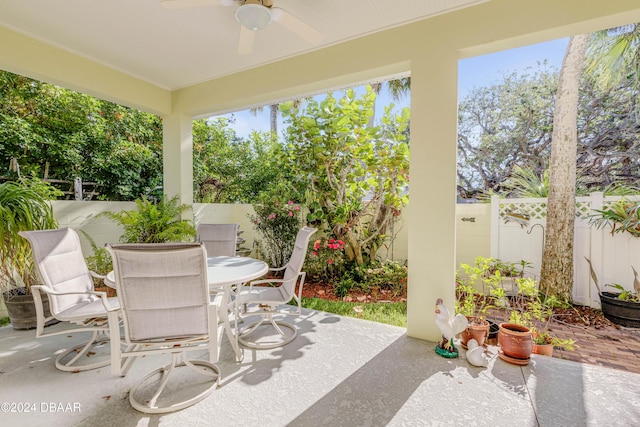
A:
(476, 332)
(515, 343)
(543, 349)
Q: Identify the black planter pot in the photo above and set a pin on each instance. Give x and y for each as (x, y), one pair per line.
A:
(22, 309)
(624, 313)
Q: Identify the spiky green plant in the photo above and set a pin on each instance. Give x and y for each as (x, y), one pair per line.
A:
(23, 206)
(154, 222)
(524, 182)
(622, 216)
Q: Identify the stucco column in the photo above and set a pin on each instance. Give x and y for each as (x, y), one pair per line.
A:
(177, 146)
(431, 212)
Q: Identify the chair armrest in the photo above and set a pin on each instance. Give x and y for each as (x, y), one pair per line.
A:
(278, 268)
(259, 282)
(101, 295)
(96, 275)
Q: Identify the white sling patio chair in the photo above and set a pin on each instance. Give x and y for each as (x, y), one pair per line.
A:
(164, 298)
(218, 239)
(266, 299)
(68, 284)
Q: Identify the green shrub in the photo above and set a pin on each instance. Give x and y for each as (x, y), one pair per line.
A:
(278, 222)
(154, 222)
(389, 275)
(325, 260)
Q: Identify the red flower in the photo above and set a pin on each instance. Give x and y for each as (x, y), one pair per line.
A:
(330, 261)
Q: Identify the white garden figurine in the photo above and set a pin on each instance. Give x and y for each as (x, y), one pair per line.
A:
(475, 354)
(450, 327)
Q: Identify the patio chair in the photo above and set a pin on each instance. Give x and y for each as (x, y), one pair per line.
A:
(164, 298)
(266, 299)
(68, 284)
(219, 239)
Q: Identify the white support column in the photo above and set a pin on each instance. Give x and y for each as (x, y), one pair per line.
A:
(178, 157)
(432, 214)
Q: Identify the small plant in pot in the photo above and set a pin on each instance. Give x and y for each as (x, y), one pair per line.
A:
(471, 303)
(622, 307)
(514, 337)
(99, 264)
(530, 311)
(24, 205)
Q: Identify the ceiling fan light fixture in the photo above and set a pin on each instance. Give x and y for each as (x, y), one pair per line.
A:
(253, 16)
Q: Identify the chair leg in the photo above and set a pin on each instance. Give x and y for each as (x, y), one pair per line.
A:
(82, 350)
(267, 319)
(177, 360)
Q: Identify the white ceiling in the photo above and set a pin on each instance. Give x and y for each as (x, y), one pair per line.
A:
(181, 47)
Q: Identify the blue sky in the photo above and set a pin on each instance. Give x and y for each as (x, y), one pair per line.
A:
(472, 72)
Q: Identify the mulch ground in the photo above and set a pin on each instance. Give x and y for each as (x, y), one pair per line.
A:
(598, 341)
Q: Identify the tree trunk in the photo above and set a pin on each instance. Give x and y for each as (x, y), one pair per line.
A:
(556, 277)
(273, 113)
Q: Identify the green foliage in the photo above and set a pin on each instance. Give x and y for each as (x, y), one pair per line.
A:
(326, 261)
(61, 134)
(622, 216)
(506, 128)
(525, 182)
(100, 260)
(352, 175)
(344, 286)
(23, 206)
(154, 222)
(469, 301)
(624, 294)
(229, 169)
(389, 313)
(278, 221)
(385, 275)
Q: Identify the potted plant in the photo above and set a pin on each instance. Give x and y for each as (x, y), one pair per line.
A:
(504, 274)
(24, 205)
(622, 307)
(529, 316)
(154, 222)
(544, 342)
(99, 262)
(471, 303)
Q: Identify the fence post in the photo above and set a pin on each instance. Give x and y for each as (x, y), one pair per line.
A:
(77, 188)
(494, 248)
(596, 255)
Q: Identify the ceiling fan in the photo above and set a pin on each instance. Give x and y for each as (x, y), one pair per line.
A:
(253, 16)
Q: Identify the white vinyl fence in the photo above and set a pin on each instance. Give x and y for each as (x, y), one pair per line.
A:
(482, 229)
(517, 233)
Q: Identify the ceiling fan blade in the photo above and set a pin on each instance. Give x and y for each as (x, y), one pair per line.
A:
(296, 25)
(245, 45)
(186, 4)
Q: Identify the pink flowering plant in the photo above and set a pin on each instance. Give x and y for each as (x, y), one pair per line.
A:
(326, 260)
(278, 222)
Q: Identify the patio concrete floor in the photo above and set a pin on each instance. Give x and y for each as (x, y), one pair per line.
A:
(338, 372)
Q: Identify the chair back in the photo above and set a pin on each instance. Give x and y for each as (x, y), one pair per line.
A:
(294, 266)
(163, 290)
(60, 262)
(219, 239)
